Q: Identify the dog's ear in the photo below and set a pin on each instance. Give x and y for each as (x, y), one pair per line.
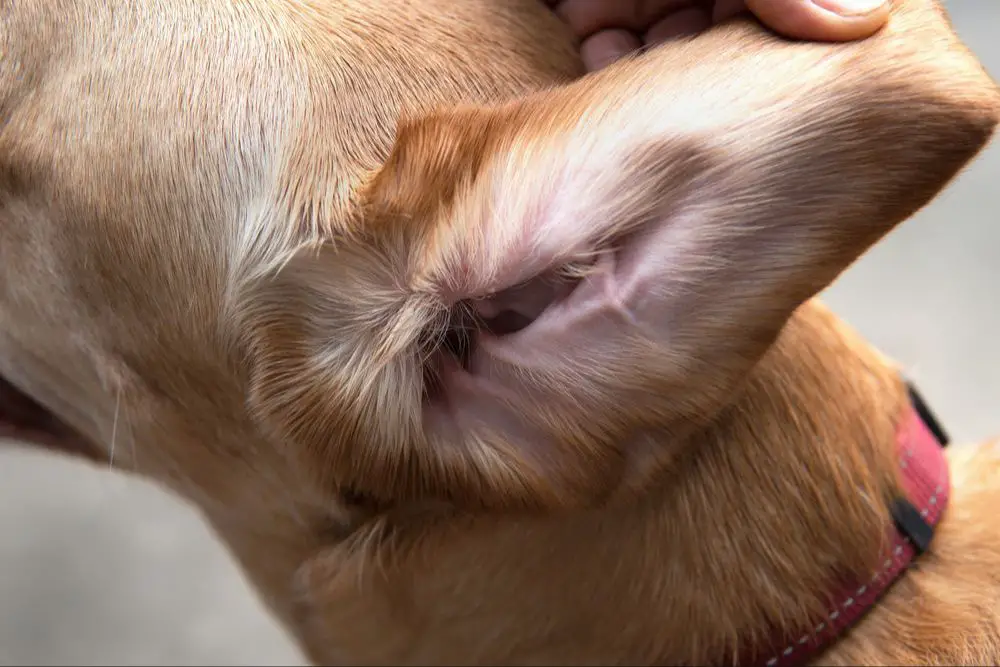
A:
(719, 182)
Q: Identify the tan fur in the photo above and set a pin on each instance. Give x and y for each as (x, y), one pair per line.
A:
(223, 261)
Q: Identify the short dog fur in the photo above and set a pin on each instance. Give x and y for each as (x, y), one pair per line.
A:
(233, 237)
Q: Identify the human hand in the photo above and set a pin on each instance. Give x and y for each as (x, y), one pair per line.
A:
(610, 29)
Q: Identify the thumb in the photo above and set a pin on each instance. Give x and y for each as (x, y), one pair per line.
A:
(824, 20)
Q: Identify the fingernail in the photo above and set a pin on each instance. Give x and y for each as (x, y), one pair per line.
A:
(849, 8)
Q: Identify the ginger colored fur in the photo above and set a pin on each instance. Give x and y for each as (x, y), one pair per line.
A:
(232, 235)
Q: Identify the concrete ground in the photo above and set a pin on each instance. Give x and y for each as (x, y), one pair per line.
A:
(100, 569)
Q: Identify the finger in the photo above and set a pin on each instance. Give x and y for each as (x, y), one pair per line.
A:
(606, 47)
(723, 10)
(823, 20)
(587, 17)
(690, 21)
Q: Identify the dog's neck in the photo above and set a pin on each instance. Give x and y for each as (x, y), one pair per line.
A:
(787, 488)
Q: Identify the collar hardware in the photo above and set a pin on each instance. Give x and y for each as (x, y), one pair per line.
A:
(925, 488)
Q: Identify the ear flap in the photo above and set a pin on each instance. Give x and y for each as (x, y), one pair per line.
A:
(708, 188)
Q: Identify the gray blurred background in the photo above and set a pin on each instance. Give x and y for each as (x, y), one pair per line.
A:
(97, 568)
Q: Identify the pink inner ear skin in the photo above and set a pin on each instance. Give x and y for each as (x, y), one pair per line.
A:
(632, 292)
(580, 323)
(557, 327)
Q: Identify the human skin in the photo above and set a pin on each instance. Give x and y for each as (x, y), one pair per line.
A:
(610, 29)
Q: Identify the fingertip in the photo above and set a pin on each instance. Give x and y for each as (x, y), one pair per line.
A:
(681, 23)
(822, 20)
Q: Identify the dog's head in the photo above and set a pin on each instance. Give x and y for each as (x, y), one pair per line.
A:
(219, 246)
(514, 303)
(538, 297)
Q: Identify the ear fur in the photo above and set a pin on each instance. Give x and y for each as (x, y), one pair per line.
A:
(767, 167)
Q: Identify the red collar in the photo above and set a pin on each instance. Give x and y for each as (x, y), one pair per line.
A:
(924, 479)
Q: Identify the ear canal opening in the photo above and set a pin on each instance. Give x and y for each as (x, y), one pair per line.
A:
(516, 308)
(508, 322)
(503, 313)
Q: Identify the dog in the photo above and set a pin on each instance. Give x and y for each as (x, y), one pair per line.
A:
(470, 359)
